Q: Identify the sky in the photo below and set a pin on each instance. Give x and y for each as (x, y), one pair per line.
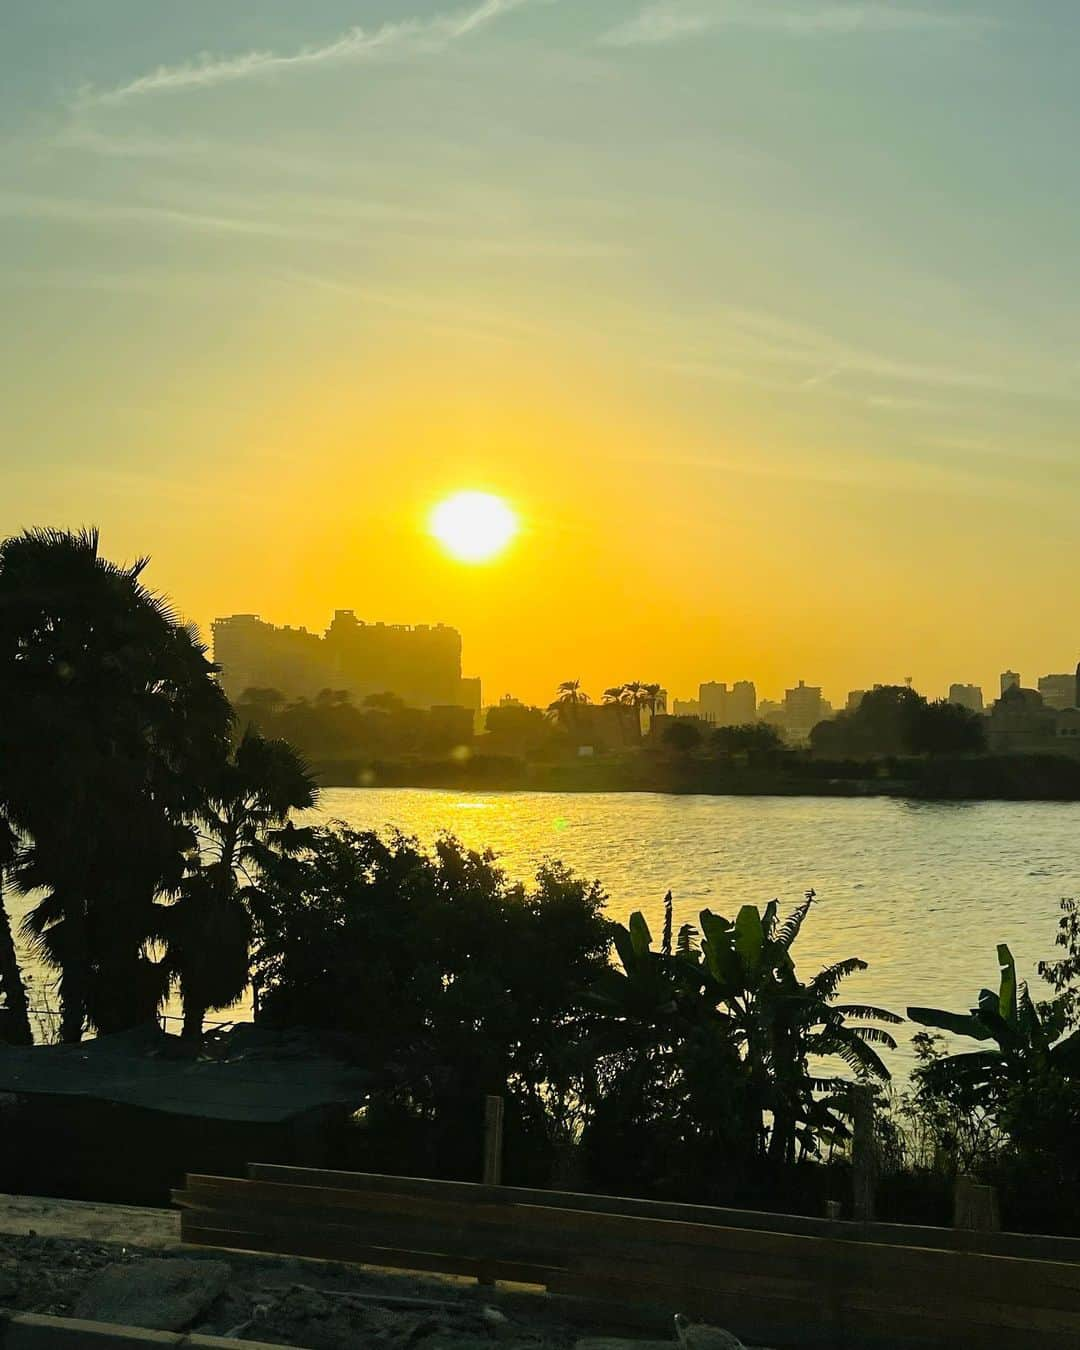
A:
(763, 314)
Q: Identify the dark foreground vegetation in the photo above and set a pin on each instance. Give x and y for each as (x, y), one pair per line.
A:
(155, 835)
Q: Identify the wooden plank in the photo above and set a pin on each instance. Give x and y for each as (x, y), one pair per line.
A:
(1033, 1246)
(579, 1230)
(331, 1244)
(533, 1217)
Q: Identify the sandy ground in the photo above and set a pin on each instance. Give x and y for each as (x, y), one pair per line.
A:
(124, 1224)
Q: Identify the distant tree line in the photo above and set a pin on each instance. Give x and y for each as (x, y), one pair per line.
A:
(331, 726)
(896, 720)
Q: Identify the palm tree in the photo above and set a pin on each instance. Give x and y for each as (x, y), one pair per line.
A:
(570, 693)
(112, 721)
(652, 697)
(244, 814)
(569, 700)
(15, 1017)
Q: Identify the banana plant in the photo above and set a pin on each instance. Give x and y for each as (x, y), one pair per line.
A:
(739, 984)
(782, 1023)
(1026, 1038)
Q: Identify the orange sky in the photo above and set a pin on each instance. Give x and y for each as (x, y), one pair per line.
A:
(761, 320)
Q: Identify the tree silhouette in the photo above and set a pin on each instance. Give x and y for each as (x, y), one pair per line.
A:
(241, 820)
(112, 723)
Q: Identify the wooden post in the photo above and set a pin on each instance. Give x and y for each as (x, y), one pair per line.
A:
(493, 1141)
(976, 1206)
(862, 1153)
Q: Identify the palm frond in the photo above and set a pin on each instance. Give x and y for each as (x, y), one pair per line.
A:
(826, 982)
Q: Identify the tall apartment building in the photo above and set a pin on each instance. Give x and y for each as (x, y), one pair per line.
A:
(724, 707)
(421, 664)
(1058, 691)
(804, 708)
(1009, 680)
(968, 696)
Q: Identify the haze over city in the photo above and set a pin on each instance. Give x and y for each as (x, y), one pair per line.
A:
(759, 316)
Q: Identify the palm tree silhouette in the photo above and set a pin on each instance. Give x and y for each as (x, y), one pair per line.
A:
(112, 720)
(244, 816)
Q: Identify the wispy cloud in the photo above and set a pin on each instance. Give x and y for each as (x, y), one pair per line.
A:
(672, 20)
(399, 37)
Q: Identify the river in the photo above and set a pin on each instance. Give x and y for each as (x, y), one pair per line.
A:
(922, 891)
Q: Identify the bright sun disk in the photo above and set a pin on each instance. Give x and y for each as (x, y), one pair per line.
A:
(473, 526)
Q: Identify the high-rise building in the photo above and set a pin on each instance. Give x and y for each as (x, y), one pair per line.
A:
(804, 708)
(1058, 691)
(724, 707)
(1009, 680)
(713, 698)
(742, 703)
(421, 664)
(854, 699)
(968, 696)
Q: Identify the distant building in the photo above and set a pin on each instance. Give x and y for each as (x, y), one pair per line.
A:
(1021, 723)
(742, 703)
(470, 693)
(724, 707)
(421, 664)
(1058, 691)
(713, 700)
(1009, 680)
(804, 708)
(686, 707)
(968, 696)
(854, 700)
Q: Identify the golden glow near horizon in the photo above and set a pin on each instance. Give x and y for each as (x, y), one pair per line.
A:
(473, 527)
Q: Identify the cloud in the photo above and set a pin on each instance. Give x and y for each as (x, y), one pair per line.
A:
(672, 20)
(405, 35)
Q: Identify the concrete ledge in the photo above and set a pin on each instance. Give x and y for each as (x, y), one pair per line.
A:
(32, 1331)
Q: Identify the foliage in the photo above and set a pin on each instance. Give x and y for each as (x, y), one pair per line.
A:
(722, 1035)
(434, 962)
(896, 720)
(118, 724)
(681, 736)
(242, 820)
(753, 738)
(1023, 1086)
(331, 727)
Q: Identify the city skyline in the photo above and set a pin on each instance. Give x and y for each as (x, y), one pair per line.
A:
(1055, 684)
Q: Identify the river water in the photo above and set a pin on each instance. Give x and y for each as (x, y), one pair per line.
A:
(922, 891)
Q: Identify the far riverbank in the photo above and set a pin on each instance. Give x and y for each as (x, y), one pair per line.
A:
(789, 774)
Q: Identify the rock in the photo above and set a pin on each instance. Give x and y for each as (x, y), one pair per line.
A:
(165, 1294)
(9, 1285)
(701, 1336)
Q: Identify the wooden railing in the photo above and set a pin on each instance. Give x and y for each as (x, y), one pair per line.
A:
(783, 1279)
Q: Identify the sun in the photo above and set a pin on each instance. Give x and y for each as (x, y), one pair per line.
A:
(473, 526)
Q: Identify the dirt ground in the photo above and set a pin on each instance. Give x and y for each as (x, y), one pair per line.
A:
(53, 1255)
(51, 1251)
